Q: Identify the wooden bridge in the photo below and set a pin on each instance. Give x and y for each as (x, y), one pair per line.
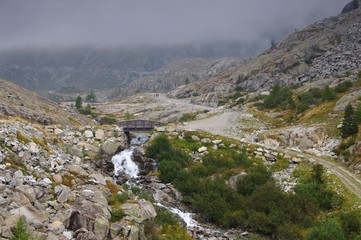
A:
(138, 125)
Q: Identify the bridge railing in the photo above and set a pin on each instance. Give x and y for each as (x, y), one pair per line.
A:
(139, 125)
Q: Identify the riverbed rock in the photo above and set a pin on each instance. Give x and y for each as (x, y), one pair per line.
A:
(111, 147)
(99, 134)
(202, 149)
(88, 134)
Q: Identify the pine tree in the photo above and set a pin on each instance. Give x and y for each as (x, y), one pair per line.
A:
(90, 97)
(349, 125)
(328, 93)
(78, 103)
(358, 114)
(187, 80)
(20, 232)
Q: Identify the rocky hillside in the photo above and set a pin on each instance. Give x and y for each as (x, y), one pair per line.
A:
(47, 177)
(16, 101)
(176, 73)
(320, 52)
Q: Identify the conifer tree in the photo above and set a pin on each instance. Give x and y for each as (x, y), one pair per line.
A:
(328, 93)
(78, 103)
(349, 125)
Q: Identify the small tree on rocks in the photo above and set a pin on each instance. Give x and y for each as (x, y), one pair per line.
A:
(349, 125)
(78, 103)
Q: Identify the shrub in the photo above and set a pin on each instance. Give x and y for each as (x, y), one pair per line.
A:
(78, 103)
(86, 111)
(258, 175)
(107, 120)
(349, 125)
(117, 199)
(21, 137)
(186, 117)
(116, 215)
(343, 87)
(357, 114)
(20, 232)
(277, 96)
(350, 222)
(328, 229)
(328, 94)
(90, 97)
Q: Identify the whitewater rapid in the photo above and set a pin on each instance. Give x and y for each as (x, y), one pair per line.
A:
(123, 161)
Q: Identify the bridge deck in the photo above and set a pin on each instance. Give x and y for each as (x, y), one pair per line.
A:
(138, 125)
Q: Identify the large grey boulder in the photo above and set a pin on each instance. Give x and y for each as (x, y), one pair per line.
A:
(139, 212)
(99, 134)
(111, 147)
(32, 215)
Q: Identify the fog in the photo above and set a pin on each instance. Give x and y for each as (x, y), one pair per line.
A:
(67, 23)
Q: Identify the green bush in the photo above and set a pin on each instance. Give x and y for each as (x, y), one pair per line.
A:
(349, 124)
(118, 199)
(20, 232)
(186, 117)
(258, 175)
(350, 222)
(277, 96)
(343, 87)
(116, 215)
(328, 94)
(328, 229)
(108, 120)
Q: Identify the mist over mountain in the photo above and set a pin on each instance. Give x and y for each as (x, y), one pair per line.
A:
(48, 45)
(44, 68)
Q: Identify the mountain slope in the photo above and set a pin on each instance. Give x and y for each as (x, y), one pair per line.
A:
(20, 102)
(322, 50)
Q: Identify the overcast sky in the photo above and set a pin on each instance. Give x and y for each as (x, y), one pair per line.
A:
(110, 22)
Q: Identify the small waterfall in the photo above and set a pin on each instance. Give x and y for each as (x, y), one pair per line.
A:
(187, 217)
(123, 161)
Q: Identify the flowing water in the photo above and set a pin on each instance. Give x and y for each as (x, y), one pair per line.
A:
(123, 161)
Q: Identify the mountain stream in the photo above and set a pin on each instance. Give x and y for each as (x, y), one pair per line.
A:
(123, 163)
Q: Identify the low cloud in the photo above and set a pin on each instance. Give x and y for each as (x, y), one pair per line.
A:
(117, 23)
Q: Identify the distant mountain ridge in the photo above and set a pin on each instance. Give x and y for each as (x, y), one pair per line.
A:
(100, 68)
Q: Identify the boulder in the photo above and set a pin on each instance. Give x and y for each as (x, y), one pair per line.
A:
(58, 179)
(111, 147)
(232, 181)
(58, 131)
(33, 148)
(296, 160)
(88, 134)
(28, 191)
(195, 138)
(32, 215)
(56, 227)
(84, 234)
(139, 212)
(1, 157)
(202, 149)
(99, 134)
(206, 140)
(101, 228)
(218, 141)
(98, 178)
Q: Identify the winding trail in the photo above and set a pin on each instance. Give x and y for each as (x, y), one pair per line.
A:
(224, 122)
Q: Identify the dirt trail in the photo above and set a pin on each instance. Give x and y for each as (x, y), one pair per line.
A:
(224, 124)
